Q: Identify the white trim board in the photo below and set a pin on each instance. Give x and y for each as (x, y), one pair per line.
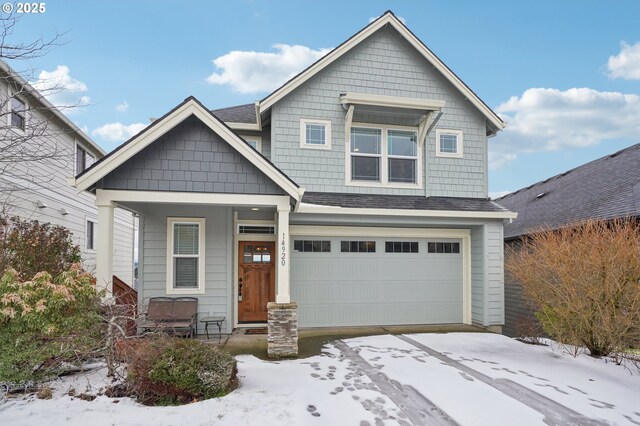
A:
(189, 107)
(387, 19)
(319, 209)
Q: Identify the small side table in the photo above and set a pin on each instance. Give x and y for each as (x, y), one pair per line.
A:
(212, 320)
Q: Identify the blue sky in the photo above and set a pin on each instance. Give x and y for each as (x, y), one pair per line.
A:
(564, 74)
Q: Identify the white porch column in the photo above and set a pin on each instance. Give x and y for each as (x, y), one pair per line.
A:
(104, 246)
(283, 294)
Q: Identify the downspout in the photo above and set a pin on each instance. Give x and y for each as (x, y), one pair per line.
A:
(426, 155)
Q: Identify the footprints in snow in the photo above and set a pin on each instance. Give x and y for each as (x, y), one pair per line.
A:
(313, 410)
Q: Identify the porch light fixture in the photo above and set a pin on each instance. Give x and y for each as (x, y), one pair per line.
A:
(63, 211)
(40, 204)
(255, 209)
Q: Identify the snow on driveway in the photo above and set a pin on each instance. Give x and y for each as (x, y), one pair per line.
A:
(440, 379)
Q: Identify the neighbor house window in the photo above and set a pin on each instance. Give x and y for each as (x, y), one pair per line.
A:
(84, 160)
(315, 134)
(185, 258)
(312, 246)
(442, 247)
(387, 156)
(448, 143)
(358, 246)
(91, 235)
(18, 117)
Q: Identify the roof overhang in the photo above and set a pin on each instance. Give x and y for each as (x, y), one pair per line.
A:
(322, 209)
(426, 105)
(191, 106)
(388, 18)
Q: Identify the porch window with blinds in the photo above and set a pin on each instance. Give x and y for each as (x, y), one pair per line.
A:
(185, 269)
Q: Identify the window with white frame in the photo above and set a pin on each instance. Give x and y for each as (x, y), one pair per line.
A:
(84, 159)
(91, 235)
(315, 134)
(254, 141)
(384, 155)
(448, 143)
(185, 257)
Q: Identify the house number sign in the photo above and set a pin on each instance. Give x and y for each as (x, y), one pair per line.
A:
(283, 251)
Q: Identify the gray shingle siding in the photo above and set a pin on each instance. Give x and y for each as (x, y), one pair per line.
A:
(383, 64)
(487, 274)
(190, 158)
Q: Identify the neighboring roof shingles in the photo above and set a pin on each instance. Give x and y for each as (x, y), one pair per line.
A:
(606, 188)
(237, 114)
(373, 201)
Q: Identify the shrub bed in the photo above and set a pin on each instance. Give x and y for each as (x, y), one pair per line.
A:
(169, 370)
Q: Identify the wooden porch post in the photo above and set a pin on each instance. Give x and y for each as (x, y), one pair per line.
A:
(283, 294)
(104, 247)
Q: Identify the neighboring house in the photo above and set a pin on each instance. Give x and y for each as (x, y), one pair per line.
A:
(607, 188)
(357, 191)
(40, 149)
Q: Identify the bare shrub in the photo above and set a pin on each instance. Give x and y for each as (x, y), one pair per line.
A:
(584, 283)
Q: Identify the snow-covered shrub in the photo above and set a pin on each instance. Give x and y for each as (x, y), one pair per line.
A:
(584, 281)
(46, 323)
(170, 370)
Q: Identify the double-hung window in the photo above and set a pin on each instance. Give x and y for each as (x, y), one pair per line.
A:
(384, 156)
(83, 159)
(185, 255)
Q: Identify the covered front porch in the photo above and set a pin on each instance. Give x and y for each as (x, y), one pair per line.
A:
(230, 251)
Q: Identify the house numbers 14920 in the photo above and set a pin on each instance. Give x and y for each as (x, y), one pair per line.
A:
(283, 251)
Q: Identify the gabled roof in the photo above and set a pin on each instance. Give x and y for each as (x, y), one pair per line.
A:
(237, 114)
(28, 89)
(606, 188)
(388, 18)
(190, 106)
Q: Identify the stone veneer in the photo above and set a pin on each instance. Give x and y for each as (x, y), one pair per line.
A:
(282, 327)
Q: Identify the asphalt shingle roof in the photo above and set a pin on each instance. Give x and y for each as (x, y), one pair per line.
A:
(606, 188)
(237, 114)
(374, 201)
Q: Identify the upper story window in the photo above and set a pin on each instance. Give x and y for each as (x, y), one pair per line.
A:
(315, 134)
(84, 159)
(254, 141)
(384, 156)
(18, 116)
(448, 143)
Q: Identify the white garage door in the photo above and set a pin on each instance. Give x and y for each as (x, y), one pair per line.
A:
(346, 281)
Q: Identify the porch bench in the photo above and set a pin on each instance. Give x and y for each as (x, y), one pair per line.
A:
(175, 315)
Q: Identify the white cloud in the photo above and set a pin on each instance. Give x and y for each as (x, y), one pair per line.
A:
(117, 132)
(498, 194)
(400, 18)
(251, 72)
(62, 90)
(551, 119)
(123, 107)
(625, 64)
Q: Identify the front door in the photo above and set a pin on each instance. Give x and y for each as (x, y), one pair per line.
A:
(256, 280)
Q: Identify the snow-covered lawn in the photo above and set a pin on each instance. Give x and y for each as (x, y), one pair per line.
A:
(465, 378)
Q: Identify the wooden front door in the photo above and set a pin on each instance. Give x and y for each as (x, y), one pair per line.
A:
(256, 280)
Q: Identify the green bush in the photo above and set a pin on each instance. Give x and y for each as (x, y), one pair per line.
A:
(46, 322)
(29, 247)
(170, 370)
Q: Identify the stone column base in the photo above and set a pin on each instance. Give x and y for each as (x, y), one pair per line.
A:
(282, 330)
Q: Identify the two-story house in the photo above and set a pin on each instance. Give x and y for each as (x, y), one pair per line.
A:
(355, 194)
(40, 149)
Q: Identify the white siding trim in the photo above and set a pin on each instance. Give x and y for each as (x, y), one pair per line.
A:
(201, 255)
(449, 214)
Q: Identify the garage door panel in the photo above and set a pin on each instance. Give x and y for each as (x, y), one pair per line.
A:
(379, 288)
